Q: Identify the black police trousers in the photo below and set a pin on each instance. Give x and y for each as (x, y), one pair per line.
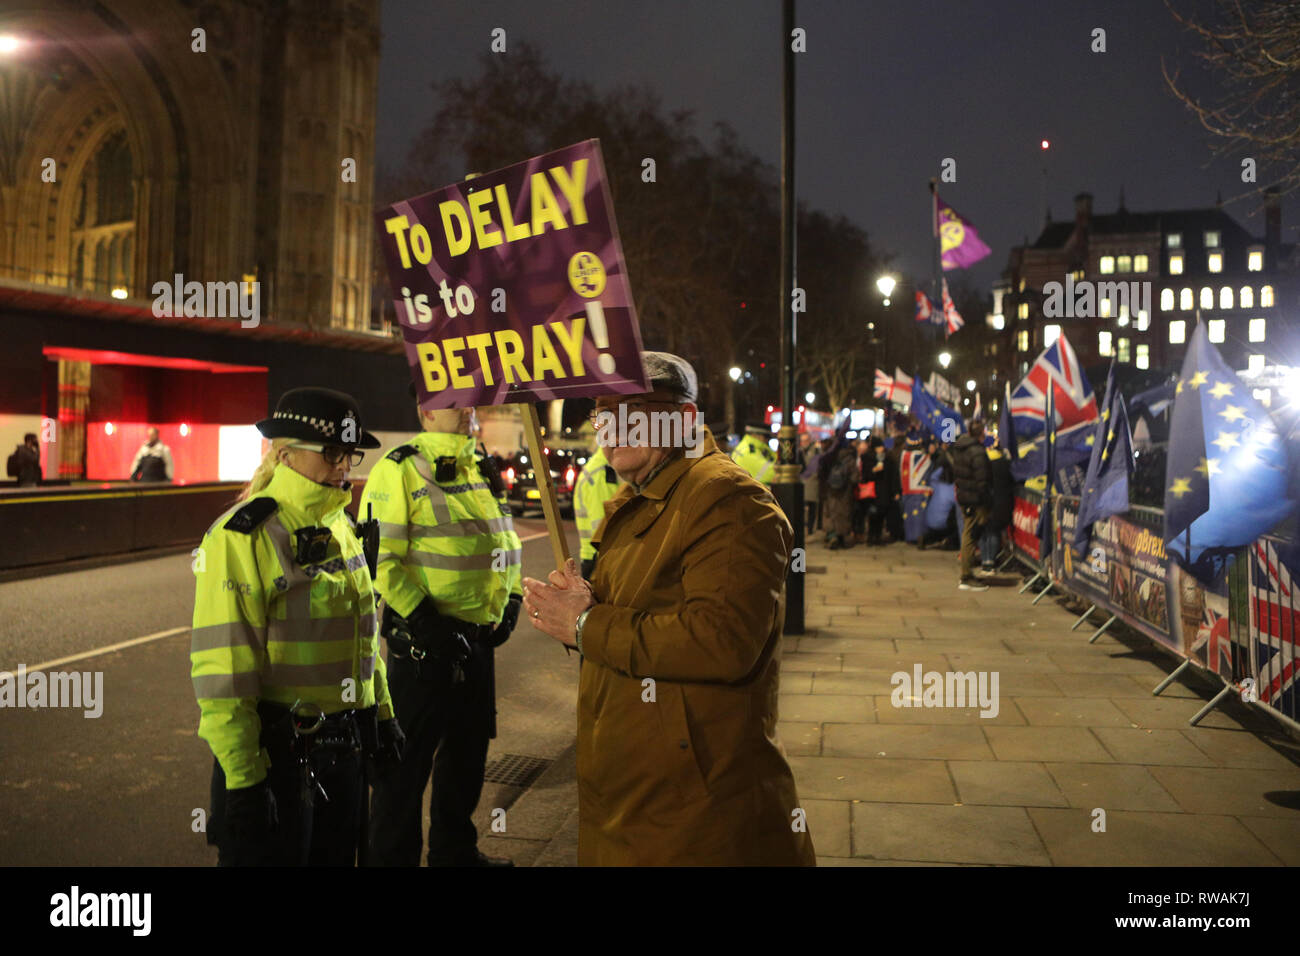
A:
(447, 727)
(326, 833)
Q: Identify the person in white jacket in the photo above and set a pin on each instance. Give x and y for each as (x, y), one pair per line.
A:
(153, 462)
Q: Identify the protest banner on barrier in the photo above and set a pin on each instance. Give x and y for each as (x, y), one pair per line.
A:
(511, 286)
(1125, 570)
(1024, 528)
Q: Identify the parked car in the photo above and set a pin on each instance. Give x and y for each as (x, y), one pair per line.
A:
(521, 480)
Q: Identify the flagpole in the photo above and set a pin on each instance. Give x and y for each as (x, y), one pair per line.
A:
(787, 487)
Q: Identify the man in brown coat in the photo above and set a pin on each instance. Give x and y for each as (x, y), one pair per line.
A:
(680, 631)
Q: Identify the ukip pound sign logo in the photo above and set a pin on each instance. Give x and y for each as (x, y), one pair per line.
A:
(951, 232)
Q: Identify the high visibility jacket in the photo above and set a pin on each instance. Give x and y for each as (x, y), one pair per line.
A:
(449, 540)
(268, 628)
(755, 457)
(596, 484)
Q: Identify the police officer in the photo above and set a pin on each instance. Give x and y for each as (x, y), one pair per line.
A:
(597, 483)
(449, 573)
(285, 648)
(754, 454)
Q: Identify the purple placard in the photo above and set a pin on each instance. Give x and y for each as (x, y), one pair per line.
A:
(511, 286)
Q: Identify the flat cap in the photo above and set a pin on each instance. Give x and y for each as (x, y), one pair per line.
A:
(671, 373)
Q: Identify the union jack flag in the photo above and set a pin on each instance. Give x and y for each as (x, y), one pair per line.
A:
(1075, 401)
(1213, 642)
(951, 316)
(913, 467)
(1274, 626)
(884, 385)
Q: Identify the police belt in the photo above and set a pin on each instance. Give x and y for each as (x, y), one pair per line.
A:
(283, 726)
(418, 648)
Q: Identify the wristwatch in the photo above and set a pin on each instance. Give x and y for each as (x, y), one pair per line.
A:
(577, 630)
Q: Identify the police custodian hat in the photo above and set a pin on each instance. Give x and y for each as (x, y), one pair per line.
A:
(319, 415)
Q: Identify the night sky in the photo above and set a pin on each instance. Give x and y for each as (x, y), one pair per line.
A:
(885, 92)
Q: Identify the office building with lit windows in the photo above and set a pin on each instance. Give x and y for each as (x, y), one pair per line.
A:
(1131, 285)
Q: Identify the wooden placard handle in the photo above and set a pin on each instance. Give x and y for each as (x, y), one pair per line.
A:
(542, 470)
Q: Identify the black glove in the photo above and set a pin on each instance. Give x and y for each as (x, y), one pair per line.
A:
(250, 819)
(391, 741)
(509, 618)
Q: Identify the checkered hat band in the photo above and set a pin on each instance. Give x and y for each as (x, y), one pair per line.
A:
(322, 425)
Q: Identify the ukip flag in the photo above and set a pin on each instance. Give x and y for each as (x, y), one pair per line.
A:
(1226, 474)
(884, 385)
(924, 309)
(951, 317)
(960, 245)
(1105, 486)
(902, 393)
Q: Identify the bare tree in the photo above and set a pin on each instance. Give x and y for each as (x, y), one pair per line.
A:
(1250, 50)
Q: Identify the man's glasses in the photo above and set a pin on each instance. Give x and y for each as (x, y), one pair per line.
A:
(594, 415)
(334, 454)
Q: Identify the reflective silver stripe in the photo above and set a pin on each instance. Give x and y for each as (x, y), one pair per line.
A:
(315, 629)
(389, 530)
(219, 636)
(248, 684)
(437, 498)
(297, 589)
(310, 675)
(461, 562)
(386, 556)
(368, 667)
(457, 529)
(579, 514)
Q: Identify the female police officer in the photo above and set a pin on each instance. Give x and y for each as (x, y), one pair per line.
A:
(284, 657)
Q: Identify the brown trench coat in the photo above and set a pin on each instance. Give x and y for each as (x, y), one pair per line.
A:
(687, 769)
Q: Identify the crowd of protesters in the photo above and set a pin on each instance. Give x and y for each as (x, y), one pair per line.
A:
(890, 486)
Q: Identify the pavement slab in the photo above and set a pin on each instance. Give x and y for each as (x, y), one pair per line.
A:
(1046, 743)
(1113, 786)
(1006, 783)
(951, 834)
(1143, 839)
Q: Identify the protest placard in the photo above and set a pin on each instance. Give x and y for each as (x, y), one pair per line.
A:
(511, 286)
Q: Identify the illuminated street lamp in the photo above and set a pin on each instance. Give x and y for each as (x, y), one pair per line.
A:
(735, 373)
(886, 285)
(945, 359)
(9, 43)
(970, 384)
(810, 398)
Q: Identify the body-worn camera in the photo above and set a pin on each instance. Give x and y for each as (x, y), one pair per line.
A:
(312, 544)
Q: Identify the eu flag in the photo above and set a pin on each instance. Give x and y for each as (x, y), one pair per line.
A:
(1226, 474)
(1006, 427)
(936, 417)
(1105, 486)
